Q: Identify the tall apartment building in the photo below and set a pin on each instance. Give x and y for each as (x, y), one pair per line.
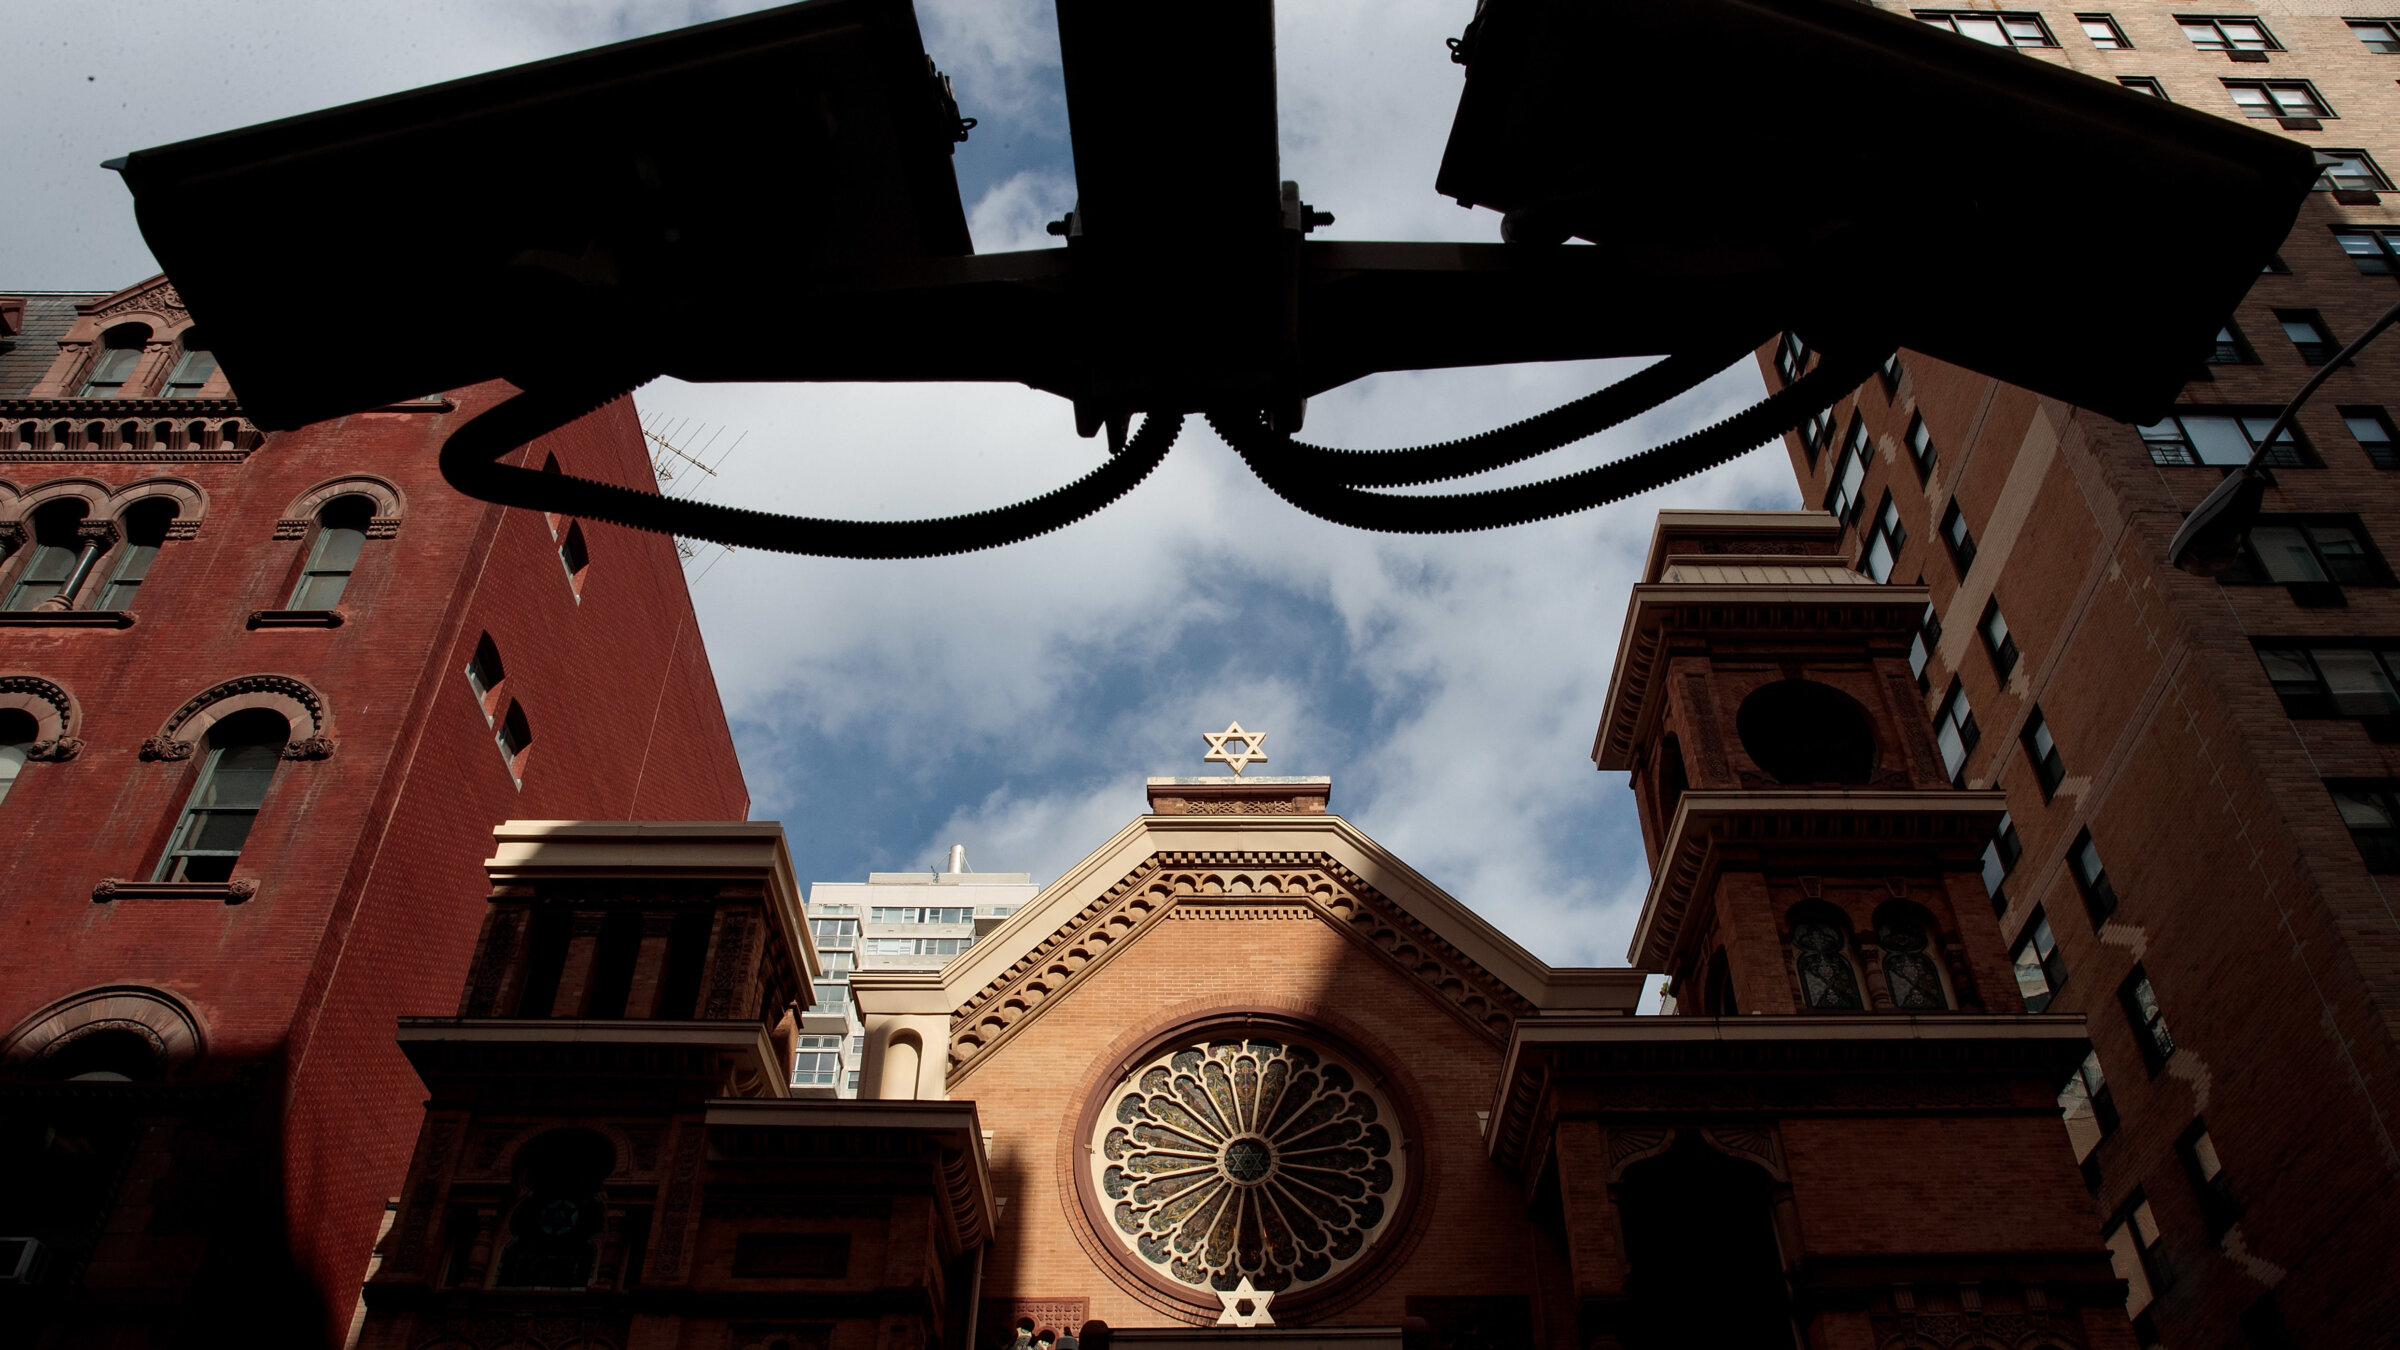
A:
(891, 921)
(263, 698)
(2202, 776)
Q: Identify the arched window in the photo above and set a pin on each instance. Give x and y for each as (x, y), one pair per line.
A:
(1821, 951)
(1910, 965)
(235, 771)
(576, 558)
(145, 524)
(51, 560)
(120, 355)
(553, 1230)
(515, 737)
(105, 1055)
(341, 532)
(18, 732)
(485, 675)
(192, 369)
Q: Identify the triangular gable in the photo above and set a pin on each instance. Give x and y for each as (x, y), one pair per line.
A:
(1164, 868)
(155, 295)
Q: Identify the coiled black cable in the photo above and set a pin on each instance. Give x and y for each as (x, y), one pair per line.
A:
(470, 461)
(1296, 479)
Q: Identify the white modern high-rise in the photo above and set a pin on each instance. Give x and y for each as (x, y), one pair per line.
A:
(890, 921)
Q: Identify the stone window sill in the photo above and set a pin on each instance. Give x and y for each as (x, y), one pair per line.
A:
(296, 618)
(231, 892)
(66, 618)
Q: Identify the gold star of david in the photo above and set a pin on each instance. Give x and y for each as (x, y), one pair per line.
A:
(1253, 749)
(1245, 1306)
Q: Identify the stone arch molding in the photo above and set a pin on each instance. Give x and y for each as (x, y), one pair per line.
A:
(56, 717)
(390, 505)
(1755, 1144)
(102, 502)
(161, 1019)
(310, 717)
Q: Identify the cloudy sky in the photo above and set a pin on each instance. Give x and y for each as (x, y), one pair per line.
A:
(1014, 700)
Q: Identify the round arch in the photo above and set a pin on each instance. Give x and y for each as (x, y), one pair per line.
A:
(191, 501)
(391, 505)
(56, 715)
(158, 1019)
(310, 717)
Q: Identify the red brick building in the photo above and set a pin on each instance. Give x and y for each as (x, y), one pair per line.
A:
(262, 700)
(2200, 848)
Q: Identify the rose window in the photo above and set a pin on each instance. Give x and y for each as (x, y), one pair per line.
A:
(1247, 1159)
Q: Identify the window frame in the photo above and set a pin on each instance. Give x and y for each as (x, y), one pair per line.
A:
(2003, 650)
(2138, 997)
(1844, 485)
(2090, 871)
(2232, 349)
(486, 684)
(2041, 747)
(512, 732)
(2375, 179)
(2000, 858)
(575, 558)
(2320, 700)
(179, 383)
(2186, 22)
(2089, 1086)
(1922, 647)
(2378, 846)
(2145, 84)
(1791, 356)
(2220, 1209)
(2116, 39)
(2183, 449)
(2383, 453)
(2365, 568)
(2272, 94)
(2388, 27)
(1921, 449)
(1999, 18)
(1958, 537)
(2136, 1219)
(1884, 529)
(313, 558)
(2316, 353)
(2378, 261)
(174, 858)
(2048, 961)
(1956, 719)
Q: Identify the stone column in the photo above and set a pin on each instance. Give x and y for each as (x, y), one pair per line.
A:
(1595, 1234)
(575, 980)
(649, 966)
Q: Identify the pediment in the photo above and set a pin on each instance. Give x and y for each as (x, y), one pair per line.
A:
(156, 295)
(1316, 870)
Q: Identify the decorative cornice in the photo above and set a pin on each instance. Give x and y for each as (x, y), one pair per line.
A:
(318, 744)
(1247, 885)
(1662, 612)
(176, 417)
(1909, 825)
(158, 296)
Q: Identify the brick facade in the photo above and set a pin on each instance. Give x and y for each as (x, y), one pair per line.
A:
(355, 896)
(2238, 890)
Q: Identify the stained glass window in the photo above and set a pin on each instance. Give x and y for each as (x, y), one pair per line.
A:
(1827, 979)
(1909, 963)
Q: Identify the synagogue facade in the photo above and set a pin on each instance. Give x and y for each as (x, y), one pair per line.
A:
(1243, 1076)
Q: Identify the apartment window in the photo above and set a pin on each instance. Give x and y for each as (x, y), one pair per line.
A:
(858, 1046)
(2020, 29)
(1920, 446)
(2193, 438)
(192, 369)
(818, 1061)
(2306, 328)
(2042, 749)
(230, 787)
(1960, 539)
(1996, 639)
(832, 996)
(340, 535)
(2132, 1242)
(1999, 859)
(484, 674)
(2090, 1111)
(2149, 1021)
(2091, 878)
(2372, 814)
(834, 932)
(921, 914)
(1885, 538)
(2380, 35)
(2350, 171)
(2230, 350)
(2369, 250)
(891, 946)
(1849, 473)
(2207, 1172)
(2287, 101)
(1954, 730)
(833, 909)
(2040, 969)
(120, 354)
(2275, 266)
(1929, 636)
(1889, 372)
(2308, 552)
(2143, 84)
(1815, 434)
(2330, 681)
(145, 524)
(51, 560)
(576, 558)
(2103, 31)
(2245, 34)
(836, 962)
(1791, 357)
(514, 735)
(2373, 432)
(851, 1081)
(18, 733)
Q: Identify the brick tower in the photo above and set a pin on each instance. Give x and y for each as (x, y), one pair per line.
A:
(1848, 1120)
